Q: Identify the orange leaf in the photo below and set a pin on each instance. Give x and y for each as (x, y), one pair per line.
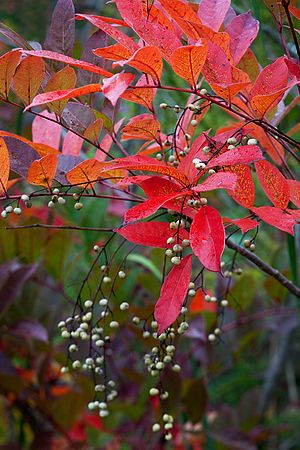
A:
(199, 304)
(147, 60)
(8, 65)
(89, 171)
(273, 183)
(188, 61)
(62, 80)
(93, 131)
(4, 166)
(240, 80)
(142, 96)
(143, 127)
(114, 52)
(42, 171)
(179, 10)
(43, 149)
(53, 96)
(28, 78)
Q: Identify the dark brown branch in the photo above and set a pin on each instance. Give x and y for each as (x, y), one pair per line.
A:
(59, 227)
(285, 4)
(265, 267)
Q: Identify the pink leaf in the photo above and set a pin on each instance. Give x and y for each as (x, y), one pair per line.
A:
(207, 238)
(213, 12)
(153, 234)
(276, 217)
(116, 85)
(220, 180)
(72, 144)
(172, 294)
(241, 155)
(46, 132)
(68, 60)
(242, 30)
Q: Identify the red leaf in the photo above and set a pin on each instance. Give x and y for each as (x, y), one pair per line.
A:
(146, 164)
(88, 172)
(4, 166)
(207, 238)
(45, 131)
(244, 192)
(114, 87)
(172, 294)
(153, 234)
(112, 31)
(269, 87)
(294, 187)
(242, 30)
(154, 186)
(219, 180)
(273, 183)
(240, 155)
(71, 61)
(53, 96)
(188, 61)
(146, 59)
(213, 12)
(276, 217)
(8, 65)
(155, 33)
(150, 206)
(42, 171)
(245, 224)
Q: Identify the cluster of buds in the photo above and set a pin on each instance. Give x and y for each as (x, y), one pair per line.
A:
(167, 425)
(56, 199)
(16, 209)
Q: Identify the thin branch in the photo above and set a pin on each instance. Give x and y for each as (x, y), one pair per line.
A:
(60, 227)
(262, 265)
(285, 4)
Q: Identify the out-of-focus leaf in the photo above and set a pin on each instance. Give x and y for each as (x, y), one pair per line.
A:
(147, 263)
(30, 329)
(116, 85)
(13, 276)
(195, 400)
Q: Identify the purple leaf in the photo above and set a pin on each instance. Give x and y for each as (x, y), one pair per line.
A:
(98, 39)
(242, 30)
(30, 329)
(65, 164)
(61, 33)
(13, 284)
(78, 117)
(213, 12)
(21, 155)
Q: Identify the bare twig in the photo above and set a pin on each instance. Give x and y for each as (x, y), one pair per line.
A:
(262, 265)
(59, 227)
